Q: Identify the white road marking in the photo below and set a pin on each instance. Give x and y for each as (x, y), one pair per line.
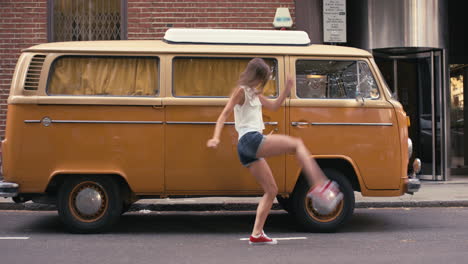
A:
(13, 238)
(281, 238)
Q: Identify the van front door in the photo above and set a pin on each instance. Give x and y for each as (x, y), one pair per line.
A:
(338, 111)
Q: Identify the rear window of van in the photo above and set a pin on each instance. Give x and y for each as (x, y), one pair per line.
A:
(214, 77)
(104, 76)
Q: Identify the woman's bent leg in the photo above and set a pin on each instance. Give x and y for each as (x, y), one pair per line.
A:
(262, 173)
(280, 144)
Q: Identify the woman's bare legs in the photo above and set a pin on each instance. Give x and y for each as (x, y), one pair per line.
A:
(276, 145)
(280, 144)
(262, 173)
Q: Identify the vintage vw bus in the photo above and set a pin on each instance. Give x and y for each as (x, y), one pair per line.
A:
(94, 126)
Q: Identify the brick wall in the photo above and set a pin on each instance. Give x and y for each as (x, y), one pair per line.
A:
(23, 23)
(149, 19)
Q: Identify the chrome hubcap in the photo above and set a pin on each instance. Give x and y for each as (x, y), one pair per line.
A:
(88, 201)
(310, 207)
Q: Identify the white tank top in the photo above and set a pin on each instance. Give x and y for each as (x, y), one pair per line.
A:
(248, 117)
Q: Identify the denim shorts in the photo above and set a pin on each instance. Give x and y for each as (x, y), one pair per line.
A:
(248, 146)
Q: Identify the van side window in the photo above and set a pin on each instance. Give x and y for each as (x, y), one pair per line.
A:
(104, 76)
(335, 79)
(214, 77)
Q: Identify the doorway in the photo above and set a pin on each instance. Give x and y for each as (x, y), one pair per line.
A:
(458, 115)
(416, 80)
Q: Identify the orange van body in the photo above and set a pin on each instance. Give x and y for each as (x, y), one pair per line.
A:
(156, 146)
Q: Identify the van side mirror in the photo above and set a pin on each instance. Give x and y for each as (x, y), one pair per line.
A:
(360, 99)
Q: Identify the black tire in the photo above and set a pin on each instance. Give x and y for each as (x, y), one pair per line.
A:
(126, 207)
(89, 216)
(311, 220)
(285, 203)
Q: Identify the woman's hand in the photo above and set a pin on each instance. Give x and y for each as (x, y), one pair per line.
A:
(212, 143)
(276, 104)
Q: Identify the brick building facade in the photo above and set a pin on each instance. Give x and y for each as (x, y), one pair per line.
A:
(150, 19)
(24, 23)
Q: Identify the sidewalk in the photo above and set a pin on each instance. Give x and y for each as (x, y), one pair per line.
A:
(453, 193)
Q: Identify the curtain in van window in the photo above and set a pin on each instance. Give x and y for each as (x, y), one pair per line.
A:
(104, 76)
(213, 77)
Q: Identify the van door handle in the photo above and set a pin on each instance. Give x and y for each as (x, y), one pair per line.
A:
(299, 123)
(271, 123)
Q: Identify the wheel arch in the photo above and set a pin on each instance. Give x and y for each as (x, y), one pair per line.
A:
(58, 179)
(346, 167)
(342, 164)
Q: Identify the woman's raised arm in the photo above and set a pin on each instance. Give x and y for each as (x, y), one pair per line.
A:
(276, 103)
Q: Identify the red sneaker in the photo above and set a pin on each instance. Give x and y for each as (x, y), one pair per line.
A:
(325, 197)
(262, 239)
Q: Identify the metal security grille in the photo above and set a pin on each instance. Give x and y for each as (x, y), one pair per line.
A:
(76, 20)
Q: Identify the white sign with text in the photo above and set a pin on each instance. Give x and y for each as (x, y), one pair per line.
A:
(334, 21)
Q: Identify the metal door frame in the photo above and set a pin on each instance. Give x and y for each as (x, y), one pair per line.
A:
(442, 109)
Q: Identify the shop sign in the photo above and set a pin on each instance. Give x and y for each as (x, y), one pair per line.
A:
(334, 21)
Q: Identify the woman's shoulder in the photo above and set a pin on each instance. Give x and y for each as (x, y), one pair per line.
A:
(248, 90)
(238, 94)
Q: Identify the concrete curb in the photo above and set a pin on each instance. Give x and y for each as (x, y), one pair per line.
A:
(460, 203)
(236, 206)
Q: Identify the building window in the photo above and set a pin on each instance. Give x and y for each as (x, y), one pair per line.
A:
(76, 20)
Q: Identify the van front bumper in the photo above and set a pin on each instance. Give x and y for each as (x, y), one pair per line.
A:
(8, 189)
(413, 184)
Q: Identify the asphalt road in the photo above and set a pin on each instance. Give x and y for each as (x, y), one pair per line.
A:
(415, 235)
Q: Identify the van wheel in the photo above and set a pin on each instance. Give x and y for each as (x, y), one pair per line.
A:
(285, 203)
(89, 204)
(310, 219)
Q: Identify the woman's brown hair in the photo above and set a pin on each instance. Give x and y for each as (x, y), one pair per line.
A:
(257, 69)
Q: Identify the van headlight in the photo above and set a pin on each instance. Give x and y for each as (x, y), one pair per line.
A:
(410, 148)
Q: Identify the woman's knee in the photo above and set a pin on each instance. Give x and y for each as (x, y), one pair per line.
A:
(272, 190)
(298, 143)
(293, 144)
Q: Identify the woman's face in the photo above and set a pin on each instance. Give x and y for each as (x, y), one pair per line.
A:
(255, 85)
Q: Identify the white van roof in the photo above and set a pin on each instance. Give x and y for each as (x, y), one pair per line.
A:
(236, 36)
(161, 47)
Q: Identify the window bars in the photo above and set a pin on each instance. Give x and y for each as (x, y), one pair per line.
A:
(77, 20)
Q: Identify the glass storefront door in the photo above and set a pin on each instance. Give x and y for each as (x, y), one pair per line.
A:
(459, 146)
(417, 82)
